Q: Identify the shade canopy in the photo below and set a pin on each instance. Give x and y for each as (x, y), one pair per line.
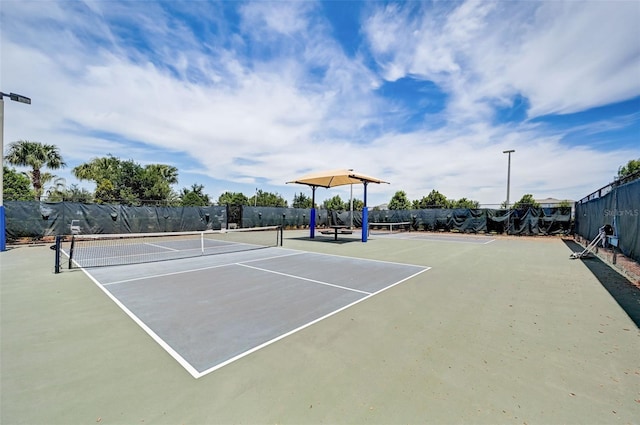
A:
(333, 178)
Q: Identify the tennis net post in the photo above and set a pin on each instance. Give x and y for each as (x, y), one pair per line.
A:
(57, 248)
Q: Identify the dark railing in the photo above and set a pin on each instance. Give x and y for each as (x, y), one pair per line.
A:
(608, 188)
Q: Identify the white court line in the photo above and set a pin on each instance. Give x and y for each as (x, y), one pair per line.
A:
(438, 239)
(193, 371)
(361, 259)
(306, 325)
(173, 353)
(305, 278)
(133, 279)
(161, 246)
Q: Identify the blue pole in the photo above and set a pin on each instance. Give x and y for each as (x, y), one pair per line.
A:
(3, 235)
(365, 216)
(312, 223)
(312, 219)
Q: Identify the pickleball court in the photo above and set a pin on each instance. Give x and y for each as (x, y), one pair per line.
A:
(209, 311)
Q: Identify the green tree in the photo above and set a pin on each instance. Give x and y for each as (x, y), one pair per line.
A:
(128, 182)
(465, 203)
(17, 186)
(194, 197)
(267, 199)
(107, 172)
(233, 198)
(632, 167)
(35, 155)
(335, 204)
(358, 204)
(301, 201)
(434, 199)
(157, 180)
(76, 194)
(53, 192)
(526, 201)
(399, 201)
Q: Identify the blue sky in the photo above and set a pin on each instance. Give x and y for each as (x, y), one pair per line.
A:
(425, 95)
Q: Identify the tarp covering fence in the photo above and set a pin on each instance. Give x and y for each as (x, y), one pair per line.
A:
(620, 208)
(276, 216)
(529, 221)
(26, 219)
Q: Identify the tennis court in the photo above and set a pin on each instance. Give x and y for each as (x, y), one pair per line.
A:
(391, 331)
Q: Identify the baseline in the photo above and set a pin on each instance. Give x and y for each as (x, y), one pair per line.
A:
(475, 240)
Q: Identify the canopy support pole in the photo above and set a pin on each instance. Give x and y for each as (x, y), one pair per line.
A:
(312, 219)
(365, 214)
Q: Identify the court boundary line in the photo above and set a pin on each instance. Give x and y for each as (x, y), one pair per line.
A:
(190, 368)
(163, 344)
(432, 238)
(302, 327)
(359, 258)
(133, 279)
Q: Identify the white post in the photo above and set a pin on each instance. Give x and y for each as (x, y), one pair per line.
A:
(351, 206)
(351, 209)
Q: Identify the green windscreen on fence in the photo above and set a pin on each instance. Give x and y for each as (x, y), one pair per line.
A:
(39, 219)
(26, 219)
(622, 205)
(277, 216)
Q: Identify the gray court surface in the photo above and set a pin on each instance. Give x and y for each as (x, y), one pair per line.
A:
(209, 311)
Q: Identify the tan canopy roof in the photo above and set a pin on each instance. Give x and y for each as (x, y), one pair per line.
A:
(333, 178)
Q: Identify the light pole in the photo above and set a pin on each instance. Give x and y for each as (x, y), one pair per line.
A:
(509, 152)
(17, 98)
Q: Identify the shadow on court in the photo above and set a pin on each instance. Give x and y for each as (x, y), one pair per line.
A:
(330, 239)
(626, 295)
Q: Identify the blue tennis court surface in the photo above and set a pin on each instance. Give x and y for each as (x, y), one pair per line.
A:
(210, 311)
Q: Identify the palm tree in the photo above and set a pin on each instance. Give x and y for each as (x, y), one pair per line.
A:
(35, 155)
(54, 192)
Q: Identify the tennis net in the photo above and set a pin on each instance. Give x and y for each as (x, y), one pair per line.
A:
(385, 228)
(118, 249)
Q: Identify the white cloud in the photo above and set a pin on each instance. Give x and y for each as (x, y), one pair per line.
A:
(281, 18)
(264, 120)
(578, 56)
(563, 56)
